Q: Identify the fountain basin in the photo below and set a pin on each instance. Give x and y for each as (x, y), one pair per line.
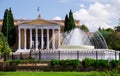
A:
(76, 47)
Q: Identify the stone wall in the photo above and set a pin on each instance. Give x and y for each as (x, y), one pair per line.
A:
(68, 54)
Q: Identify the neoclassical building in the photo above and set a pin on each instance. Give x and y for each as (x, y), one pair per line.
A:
(38, 34)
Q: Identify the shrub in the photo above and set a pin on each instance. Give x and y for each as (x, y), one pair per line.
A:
(101, 63)
(54, 63)
(64, 62)
(74, 63)
(87, 62)
(14, 61)
(97, 63)
(104, 63)
(115, 63)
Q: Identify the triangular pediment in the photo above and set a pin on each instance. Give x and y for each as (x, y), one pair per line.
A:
(40, 22)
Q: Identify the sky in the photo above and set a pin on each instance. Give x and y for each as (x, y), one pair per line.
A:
(92, 13)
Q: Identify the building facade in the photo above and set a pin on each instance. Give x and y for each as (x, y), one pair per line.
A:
(38, 34)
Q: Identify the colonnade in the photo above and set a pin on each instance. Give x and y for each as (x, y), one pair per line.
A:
(36, 38)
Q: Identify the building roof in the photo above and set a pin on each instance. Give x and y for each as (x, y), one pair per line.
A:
(40, 21)
(61, 22)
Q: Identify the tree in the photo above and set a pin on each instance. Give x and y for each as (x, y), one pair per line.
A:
(4, 49)
(5, 23)
(112, 38)
(110, 30)
(84, 28)
(69, 22)
(113, 41)
(117, 28)
(99, 29)
(8, 28)
(3, 44)
(66, 28)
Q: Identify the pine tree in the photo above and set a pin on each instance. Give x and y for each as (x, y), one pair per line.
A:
(12, 33)
(5, 23)
(71, 21)
(66, 28)
(8, 28)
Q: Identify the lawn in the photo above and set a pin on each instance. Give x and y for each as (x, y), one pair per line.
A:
(51, 74)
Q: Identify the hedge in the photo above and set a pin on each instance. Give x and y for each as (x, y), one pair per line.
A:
(72, 65)
(64, 63)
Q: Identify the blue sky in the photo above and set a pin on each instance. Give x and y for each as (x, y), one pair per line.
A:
(48, 8)
(92, 13)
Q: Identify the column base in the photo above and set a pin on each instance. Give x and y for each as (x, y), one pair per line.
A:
(23, 50)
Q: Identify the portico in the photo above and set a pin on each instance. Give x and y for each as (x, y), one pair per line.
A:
(38, 35)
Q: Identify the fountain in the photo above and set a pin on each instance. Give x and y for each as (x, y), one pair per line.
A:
(77, 39)
(77, 44)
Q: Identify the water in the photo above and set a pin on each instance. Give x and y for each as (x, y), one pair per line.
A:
(78, 38)
(98, 41)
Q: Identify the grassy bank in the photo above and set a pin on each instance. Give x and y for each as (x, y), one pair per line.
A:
(52, 74)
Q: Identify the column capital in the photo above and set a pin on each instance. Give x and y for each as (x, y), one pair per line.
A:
(19, 28)
(47, 29)
(53, 29)
(30, 28)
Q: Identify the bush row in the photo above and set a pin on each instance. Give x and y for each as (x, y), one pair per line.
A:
(64, 63)
(87, 63)
(70, 65)
(95, 63)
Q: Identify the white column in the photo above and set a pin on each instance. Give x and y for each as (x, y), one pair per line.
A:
(25, 38)
(42, 39)
(47, 38)
(19, 37)
(58, 38)
(53, 40)
(36, 40)
(30, 38)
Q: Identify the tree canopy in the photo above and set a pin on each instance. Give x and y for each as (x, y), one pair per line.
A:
(112, 38)
(117, 28)
(8, 28)
(3, 44)
(69, 22)
(66, 28)
(84, 28)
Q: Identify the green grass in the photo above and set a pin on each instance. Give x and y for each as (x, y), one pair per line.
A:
(51, 74)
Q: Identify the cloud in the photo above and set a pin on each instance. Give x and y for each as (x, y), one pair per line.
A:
(57, 18)
(102, 1)
(82, 5)
(96, 15)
